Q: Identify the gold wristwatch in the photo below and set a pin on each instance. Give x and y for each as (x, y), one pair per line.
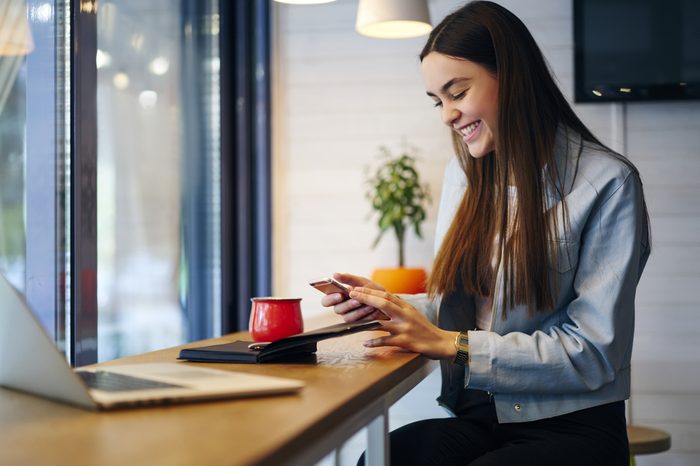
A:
(462, 347)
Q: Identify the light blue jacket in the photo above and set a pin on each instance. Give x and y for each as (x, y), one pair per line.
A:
(578, 355)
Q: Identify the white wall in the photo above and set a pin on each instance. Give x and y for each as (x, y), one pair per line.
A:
(338, 96)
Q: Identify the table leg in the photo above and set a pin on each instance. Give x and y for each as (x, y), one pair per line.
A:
(378, 440)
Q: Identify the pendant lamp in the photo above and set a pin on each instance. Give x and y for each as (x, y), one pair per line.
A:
(393, 19)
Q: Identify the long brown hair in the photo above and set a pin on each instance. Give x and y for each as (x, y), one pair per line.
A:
(531, 108)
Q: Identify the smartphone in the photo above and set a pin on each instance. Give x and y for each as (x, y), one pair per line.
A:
(330, 286)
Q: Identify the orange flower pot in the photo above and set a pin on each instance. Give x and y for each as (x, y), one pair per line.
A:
(401, 280)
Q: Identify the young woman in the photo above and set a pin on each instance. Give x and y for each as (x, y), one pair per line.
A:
(542, 236)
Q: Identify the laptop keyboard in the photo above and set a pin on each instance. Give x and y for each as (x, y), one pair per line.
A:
(113, 382)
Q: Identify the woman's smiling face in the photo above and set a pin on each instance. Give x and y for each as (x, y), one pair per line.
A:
(467, 95)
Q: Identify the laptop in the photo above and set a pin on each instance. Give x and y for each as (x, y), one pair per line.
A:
(31, 362)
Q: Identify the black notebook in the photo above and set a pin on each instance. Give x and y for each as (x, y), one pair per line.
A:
(286, 348)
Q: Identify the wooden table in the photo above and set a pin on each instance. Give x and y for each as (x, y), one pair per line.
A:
(350, 387)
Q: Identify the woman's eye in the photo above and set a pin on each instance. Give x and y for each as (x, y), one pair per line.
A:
(458, 95)
(437, 103)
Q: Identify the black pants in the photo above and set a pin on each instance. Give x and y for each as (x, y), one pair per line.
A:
(590, 437)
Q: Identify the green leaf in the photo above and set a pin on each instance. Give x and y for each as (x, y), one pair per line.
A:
(385, 221)
(395, 192)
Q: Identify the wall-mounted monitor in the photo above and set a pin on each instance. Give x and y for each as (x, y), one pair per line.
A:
(631, 50)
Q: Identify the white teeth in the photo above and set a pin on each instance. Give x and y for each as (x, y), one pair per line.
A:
(469, 129)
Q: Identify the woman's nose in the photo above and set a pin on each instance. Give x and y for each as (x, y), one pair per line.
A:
(449, 115)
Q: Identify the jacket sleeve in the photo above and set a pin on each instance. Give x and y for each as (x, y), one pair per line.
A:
(592, 339)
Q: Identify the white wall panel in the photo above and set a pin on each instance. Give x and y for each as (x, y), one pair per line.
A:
(668, 377)
(677, 229)
(664, 201)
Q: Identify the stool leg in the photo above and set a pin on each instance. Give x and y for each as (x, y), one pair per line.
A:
(632, 463)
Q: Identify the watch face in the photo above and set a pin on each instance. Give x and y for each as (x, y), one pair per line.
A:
(462, 343)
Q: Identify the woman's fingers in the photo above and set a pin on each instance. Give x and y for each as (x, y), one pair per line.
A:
(353, 309)
(378, 293)
(388, 340)
(352, 280)
(347, 306)
(356, 280)
(363, 313)
(333, 299)
(386, 302)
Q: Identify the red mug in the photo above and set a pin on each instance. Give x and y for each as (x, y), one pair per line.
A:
(275, 318)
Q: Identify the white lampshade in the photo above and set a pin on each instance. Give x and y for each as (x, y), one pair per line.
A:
(393, 19)
(15, 36)
(304, 2)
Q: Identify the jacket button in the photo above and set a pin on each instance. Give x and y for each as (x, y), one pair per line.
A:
(517, 407)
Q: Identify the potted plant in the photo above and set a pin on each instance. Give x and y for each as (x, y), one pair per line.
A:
(400, 200)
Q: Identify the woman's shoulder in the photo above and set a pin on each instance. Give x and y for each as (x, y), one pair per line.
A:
(603, 169)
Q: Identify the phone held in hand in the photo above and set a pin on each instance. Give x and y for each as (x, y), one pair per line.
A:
(330, 286)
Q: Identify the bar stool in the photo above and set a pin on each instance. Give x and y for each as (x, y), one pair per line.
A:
(645, 441)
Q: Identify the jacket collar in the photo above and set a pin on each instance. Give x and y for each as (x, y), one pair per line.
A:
(567, 152)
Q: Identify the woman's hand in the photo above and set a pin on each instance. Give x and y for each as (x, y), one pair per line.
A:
(408, 328)
(351, 309)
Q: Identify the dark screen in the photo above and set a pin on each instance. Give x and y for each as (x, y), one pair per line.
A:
(637, 49)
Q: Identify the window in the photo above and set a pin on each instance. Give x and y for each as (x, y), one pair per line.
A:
(134, 187)
(158, 177)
